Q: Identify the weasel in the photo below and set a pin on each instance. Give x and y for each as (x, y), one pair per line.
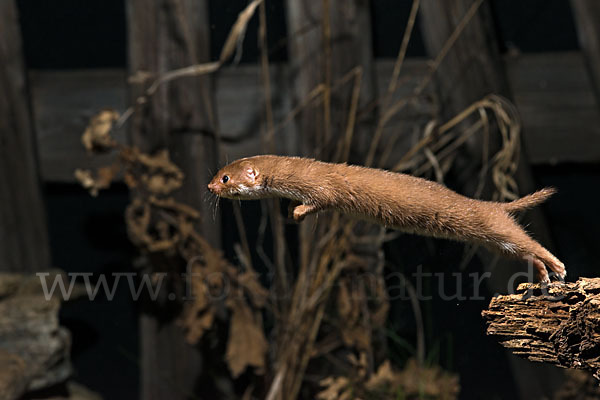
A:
(395, 200)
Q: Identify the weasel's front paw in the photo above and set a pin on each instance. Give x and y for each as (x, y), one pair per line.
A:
(300, 212)
(293, 204)
(303, 210)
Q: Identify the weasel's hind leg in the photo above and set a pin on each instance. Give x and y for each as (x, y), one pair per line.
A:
(515, 241)
(540, 268)
(531, 251)
(547, 259)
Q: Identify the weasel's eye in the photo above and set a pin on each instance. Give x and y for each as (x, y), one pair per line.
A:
(225, 179)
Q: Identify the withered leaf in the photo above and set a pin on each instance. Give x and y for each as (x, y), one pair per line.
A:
(354, 327)
(383, 376)
(247, 345)
(102, 180)
(162, 176)
(414, 380)
(130, 180)
(337, 388)
(198, 315)
(161, 184)
(96, 136)
(85, 178)
(196, 326)
(379, 316)
(357, 336)
(360, 364)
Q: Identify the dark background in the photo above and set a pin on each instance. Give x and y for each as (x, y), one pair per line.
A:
(88, 234)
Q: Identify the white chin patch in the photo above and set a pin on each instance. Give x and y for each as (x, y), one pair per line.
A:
(245, 191)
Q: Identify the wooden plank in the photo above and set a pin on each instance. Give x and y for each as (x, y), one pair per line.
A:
(561, 121)
(63, 102)
(560, 115)
(587, 16)
(241, 109)
(23, 231)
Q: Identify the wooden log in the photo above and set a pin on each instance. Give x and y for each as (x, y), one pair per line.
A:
(558, 324)
(180, 117)
(23, 232)
(63, 103)
(558, 109)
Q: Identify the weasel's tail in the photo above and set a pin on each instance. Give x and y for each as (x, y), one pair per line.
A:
(529, 201)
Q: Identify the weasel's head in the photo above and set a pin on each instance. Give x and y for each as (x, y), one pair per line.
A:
(238, 180)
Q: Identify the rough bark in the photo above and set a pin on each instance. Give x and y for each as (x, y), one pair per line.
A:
(163, 36)
(23, 231)
(557, 324)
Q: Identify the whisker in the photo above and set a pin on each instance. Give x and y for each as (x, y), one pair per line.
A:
(215, 208)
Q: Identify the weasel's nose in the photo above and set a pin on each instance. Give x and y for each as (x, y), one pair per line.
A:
(213, 187)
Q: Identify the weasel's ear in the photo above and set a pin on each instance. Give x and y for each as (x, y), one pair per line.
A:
(251, 173)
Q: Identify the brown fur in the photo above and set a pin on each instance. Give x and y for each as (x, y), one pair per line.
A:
(394, 200)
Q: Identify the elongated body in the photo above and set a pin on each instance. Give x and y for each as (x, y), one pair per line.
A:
(394, 200)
